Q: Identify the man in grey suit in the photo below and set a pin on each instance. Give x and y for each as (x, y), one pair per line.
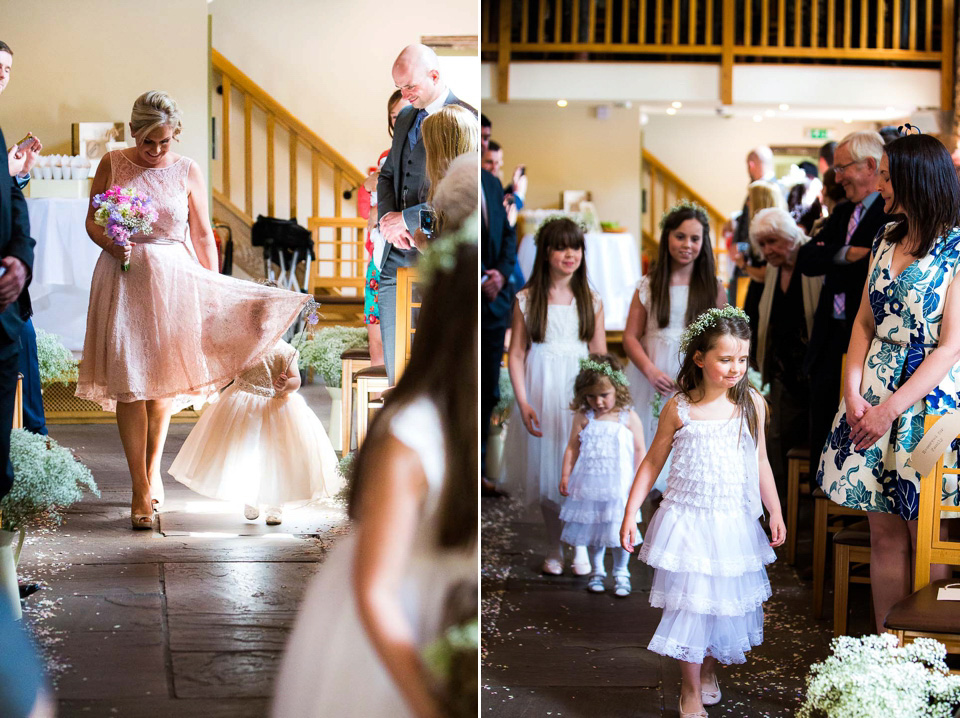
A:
(403, 185)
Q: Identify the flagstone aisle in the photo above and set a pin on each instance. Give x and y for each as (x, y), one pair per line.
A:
(550, 648)
(189, 619)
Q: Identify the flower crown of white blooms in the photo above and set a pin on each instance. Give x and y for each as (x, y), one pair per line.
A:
(708, 319)
(616, 376)
(682, 204)
(440, 256)
(554, 218)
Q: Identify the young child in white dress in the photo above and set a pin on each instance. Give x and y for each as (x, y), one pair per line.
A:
(706, 541)
(605, 448)
(557, 320)
(260, 444)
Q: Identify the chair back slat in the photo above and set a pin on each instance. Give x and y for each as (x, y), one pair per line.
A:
(930, 547)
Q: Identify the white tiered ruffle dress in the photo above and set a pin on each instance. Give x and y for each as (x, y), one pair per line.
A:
(599, 483)
(707, 545)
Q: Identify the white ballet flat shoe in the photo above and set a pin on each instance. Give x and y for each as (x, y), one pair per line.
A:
(251, 513)
(552, 567)
(684, 714)
(274, 516)
(711, 698)
(581, 562)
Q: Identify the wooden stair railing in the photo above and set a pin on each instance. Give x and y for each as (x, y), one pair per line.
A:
(347, 255)
(662, 190)
(724, 32)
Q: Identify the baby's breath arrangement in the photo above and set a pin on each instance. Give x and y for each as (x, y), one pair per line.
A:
(873, 676)
(452, 657)
(706, 320)
(56, 361)
(322, 351)
(507, 397)
(48, 479)
(615, 375)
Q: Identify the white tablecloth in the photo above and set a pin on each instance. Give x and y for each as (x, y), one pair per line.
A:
(613, 269)
(63, 264)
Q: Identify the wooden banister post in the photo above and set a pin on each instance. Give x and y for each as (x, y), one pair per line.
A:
(726, 53)
(948, 68)
(503, 51)
(225, 135)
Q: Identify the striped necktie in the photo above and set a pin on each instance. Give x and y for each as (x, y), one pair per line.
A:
(840, 299)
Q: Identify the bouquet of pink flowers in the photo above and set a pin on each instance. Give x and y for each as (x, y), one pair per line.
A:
(122, 213)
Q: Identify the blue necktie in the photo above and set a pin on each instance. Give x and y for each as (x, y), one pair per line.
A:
(413, 136)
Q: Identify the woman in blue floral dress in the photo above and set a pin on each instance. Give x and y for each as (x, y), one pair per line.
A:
(902, 360)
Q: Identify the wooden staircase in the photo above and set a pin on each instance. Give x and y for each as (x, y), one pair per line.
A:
(661, 190)
(259, 134)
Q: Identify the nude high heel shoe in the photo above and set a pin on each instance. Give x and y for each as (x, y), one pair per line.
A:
(141, 522)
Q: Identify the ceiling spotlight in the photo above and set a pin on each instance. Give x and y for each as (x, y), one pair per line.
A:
(644, 118)
(561, 103)
(758, 118)
(769, 113)
(677, 105)
(847, 120)
(671, 110)
(891, 109)
(784, 107)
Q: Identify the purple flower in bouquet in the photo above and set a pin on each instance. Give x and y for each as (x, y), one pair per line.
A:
(122, 213)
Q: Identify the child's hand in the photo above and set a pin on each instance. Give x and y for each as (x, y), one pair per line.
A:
(628, 534)
(778, 531)
(280, 382)
(530, 420)
(565, 486)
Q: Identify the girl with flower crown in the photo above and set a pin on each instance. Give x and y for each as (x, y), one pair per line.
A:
(557, 320)
(705, 542)
(681, 285)
(604, 450)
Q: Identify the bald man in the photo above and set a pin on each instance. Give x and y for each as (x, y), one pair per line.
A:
(402, 187)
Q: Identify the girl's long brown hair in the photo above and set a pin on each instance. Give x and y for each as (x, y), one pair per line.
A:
(443, 367)
(703, 282)
(554, 236)
(691, 376)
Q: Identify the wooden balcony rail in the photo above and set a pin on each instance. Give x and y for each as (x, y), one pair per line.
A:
(340, 260)
(662, 189)
(920, 32)
(330, 244)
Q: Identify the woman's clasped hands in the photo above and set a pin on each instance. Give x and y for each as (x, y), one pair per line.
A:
(867, 422)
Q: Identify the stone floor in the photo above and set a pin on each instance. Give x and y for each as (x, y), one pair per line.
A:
(550, 648)
(188, 619)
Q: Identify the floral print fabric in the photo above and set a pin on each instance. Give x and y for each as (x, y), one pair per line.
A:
(908, 312)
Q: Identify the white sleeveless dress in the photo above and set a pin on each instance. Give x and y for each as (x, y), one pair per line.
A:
(707, 545)
(168, 328)
(256, 448)
(531, 465)
(330, 668)
(599, 483)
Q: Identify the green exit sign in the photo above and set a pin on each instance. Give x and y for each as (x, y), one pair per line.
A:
(818, 133)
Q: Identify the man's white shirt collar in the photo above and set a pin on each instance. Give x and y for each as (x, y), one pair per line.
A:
(438, 103)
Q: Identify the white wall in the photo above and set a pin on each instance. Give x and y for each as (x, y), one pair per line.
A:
(328, 62)
(569, 148)
(88, 62)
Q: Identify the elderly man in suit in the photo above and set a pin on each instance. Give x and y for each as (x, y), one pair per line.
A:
(498, 255)
(841, 253)
(403, 185)
(16, 263)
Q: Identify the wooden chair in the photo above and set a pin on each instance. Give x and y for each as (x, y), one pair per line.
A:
(371, 381)
(828, 518)
(351, 361)
(18, 404)
(851, 554)
(798, 464)
(921, 614)
(743, 283)
(408, 306)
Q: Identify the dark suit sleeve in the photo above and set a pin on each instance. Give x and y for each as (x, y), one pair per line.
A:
(21, 244)
(386, 196)
(816, 257)
(508, 251)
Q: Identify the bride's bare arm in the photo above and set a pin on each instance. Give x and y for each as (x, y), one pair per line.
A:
(201, 231)
(388, 517)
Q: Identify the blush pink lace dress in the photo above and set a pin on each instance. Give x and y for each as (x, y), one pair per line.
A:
(168, 327)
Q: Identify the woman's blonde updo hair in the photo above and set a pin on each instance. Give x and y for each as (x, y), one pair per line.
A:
(154, 109)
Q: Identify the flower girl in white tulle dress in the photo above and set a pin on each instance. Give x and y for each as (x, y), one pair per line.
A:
(557, 320)
(260, 444)
(706, 541)
(605, 448)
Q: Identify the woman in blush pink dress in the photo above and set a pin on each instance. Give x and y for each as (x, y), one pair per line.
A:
(171, 331)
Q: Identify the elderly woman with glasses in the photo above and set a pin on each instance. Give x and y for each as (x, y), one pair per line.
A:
(787, 306)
